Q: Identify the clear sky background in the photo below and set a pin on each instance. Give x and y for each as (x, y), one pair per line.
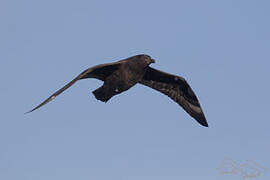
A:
(222, 48)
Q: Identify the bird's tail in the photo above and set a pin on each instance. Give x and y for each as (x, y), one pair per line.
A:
(101, 94)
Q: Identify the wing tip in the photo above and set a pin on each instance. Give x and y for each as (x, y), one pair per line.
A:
(29, 111)
(203, 121)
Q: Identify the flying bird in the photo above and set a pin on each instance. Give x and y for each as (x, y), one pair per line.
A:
(122, 75)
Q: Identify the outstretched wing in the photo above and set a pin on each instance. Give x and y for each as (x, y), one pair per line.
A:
(100, 72)
(177, 89)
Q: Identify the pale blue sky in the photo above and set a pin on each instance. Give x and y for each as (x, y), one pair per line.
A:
(222, 48)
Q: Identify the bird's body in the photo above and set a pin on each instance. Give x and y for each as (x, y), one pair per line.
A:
(124, 74)
(128, 74)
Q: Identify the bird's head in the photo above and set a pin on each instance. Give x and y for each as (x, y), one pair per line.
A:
(146, 59)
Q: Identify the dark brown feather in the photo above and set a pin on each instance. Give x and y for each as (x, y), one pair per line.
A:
(100, 72)
(177, 89)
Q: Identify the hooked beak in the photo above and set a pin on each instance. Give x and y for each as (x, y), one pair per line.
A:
(153, 61)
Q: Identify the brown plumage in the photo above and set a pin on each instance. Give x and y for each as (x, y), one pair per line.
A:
(122, 75)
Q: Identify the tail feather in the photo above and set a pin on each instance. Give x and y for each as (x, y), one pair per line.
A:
(101, 94)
